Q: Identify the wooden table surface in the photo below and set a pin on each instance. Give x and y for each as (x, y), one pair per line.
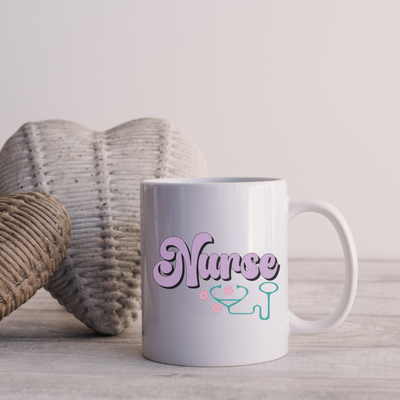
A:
(47, 354)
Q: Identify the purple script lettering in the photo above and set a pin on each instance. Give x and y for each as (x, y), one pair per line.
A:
(164, 272)
(169, 275)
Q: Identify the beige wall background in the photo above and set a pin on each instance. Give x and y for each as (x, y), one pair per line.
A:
(304, 90)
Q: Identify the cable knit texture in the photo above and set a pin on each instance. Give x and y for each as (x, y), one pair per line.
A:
(35, 231)
(96, 175)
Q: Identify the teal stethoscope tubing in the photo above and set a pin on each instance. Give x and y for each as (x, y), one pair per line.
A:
(235, 301)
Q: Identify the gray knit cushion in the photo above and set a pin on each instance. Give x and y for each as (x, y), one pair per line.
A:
(96, 176)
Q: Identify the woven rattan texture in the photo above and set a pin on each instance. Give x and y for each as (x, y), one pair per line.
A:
(35, 231)
(97, 175)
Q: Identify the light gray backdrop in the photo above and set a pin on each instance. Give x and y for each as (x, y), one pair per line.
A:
(304, 90)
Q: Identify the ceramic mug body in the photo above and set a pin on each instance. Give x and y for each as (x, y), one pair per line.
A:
(215, 271)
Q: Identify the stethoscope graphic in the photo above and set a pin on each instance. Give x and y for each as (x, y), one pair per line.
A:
(229, 303)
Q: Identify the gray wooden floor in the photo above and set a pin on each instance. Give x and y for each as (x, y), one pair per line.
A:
(46, 353)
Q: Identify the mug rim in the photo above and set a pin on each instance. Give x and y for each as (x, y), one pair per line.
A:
(210, 180)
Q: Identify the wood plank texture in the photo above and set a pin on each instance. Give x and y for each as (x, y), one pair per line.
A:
(47, 354)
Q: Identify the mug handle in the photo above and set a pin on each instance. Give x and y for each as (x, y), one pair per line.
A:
(299, 326)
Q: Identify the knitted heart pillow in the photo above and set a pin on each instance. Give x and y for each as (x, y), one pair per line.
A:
(96, 176)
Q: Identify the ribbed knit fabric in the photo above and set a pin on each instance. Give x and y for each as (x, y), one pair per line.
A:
(96, 175)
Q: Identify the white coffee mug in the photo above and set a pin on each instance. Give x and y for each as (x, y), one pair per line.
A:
(215, 270)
